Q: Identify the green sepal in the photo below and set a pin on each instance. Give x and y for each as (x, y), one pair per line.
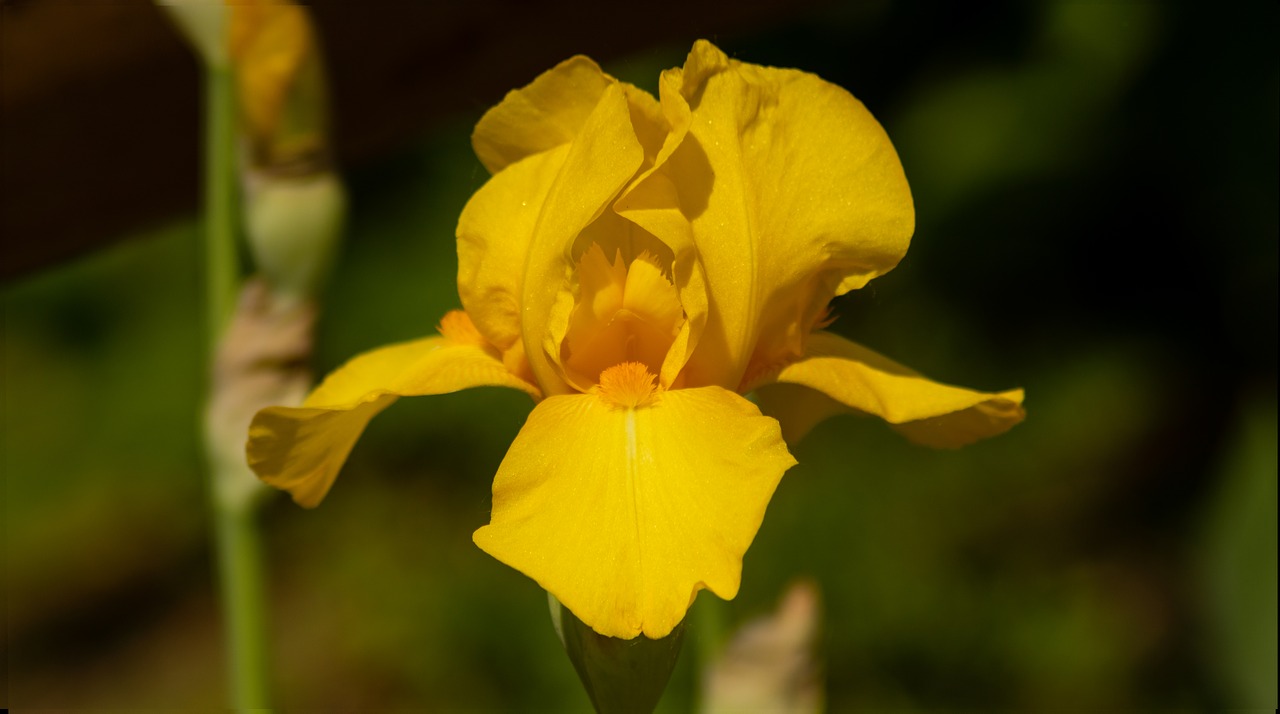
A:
(619, 675)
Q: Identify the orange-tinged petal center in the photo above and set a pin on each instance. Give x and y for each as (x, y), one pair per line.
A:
(625, 313)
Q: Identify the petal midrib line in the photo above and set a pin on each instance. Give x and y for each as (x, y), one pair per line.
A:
(629, 424)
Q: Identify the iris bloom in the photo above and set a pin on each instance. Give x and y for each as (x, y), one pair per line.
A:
(636, 266)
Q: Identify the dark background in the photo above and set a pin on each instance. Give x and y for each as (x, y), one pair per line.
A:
(1097, 222)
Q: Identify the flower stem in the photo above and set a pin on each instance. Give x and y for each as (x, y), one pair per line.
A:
(709, 630)
(240, 573)
(219, 200)
(236, 535)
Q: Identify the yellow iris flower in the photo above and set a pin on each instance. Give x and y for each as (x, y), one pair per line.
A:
(636, 266)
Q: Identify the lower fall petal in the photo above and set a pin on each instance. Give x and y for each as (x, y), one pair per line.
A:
(301, 449)
(625, 513)
(837, 375)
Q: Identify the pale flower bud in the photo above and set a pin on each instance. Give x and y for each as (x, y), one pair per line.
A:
(293, 224)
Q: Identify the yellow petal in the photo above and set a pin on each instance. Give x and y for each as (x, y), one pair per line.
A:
(547, 113)
(280, 81)
(648, 121)
(651, 297)
(601, 282)
(602, 158)
(268, 43)
(652, 203)
(614, 233)
(494, 233)
(624, 514)
(794, 194)
(653, 207)
(858, 379)
(623, 313)
(301, 449)
(593, 135)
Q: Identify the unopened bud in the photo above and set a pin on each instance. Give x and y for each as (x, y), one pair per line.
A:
(281, 87)
(293, 224)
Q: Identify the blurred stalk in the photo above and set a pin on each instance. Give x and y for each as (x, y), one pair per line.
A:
(219, 200)
(231, 487)
(240, 576)
(236, 537)
(266, 133)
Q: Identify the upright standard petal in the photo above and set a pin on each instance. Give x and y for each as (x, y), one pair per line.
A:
(494, 233)
(548, 112)
(854, 378)
(525, 141)
(625, 502)
(301, 449)
(652, 203)
(794, 193)
(604, 156)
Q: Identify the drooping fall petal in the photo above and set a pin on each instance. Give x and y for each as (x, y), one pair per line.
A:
(794, 194)
(854, 378)
(624, 513)
(301, 449)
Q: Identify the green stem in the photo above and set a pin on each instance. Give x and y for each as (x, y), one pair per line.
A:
(236, 534)
(240, 573)
(219, 200)
(709, 627)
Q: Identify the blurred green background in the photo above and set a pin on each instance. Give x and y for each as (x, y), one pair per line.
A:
(1096, 193)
